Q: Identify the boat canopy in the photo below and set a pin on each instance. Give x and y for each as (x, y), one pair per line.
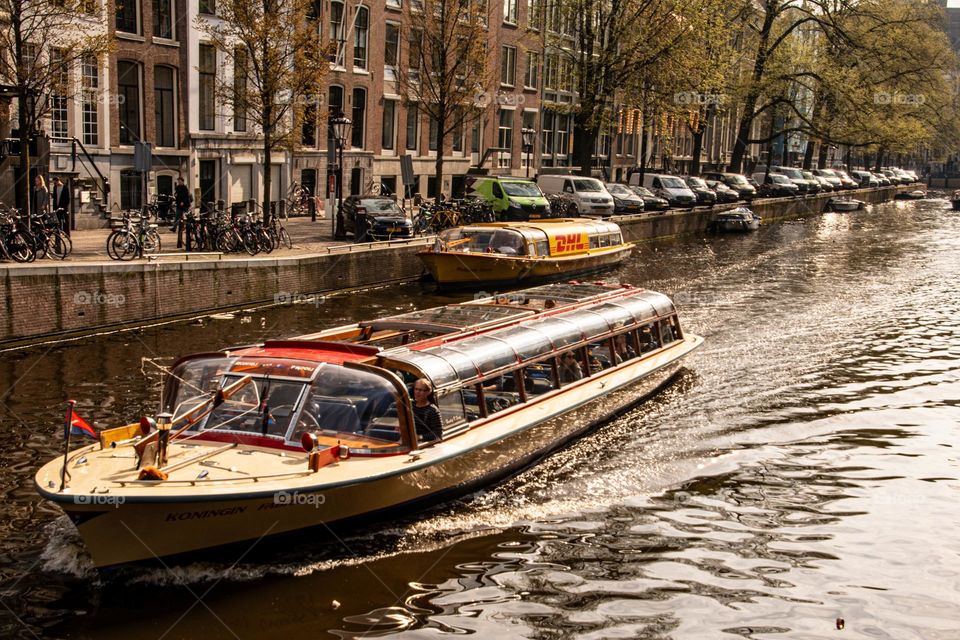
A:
(462, 361)
(449, 319)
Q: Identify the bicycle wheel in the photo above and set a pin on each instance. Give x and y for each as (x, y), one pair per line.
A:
(267, 245)
(285, 239)
(110, 252)
(150, 243)
(421, 223)
(17, 246)
(226, 241)
(38, 242)
(124, 245)
(248, 240)
(59, 245)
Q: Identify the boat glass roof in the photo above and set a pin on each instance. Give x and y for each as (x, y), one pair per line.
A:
(453, 316)
(468, 358)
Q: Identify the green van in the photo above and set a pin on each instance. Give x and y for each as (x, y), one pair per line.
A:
(512, 199)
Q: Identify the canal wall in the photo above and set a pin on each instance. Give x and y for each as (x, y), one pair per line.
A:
(43, 302)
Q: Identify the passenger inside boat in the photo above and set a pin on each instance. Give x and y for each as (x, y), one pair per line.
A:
(648, 339)
(570, 370)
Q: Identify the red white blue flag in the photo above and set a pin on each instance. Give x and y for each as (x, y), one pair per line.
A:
(80, 427)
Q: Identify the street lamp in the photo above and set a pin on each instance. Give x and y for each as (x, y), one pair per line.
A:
(340, 126)
(529, 137)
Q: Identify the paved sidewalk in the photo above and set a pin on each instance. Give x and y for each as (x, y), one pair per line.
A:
(308, 237)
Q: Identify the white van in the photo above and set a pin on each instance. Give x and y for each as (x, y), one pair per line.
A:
(672, 188)
(589, 193)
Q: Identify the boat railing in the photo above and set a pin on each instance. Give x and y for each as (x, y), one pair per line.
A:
(204, 481)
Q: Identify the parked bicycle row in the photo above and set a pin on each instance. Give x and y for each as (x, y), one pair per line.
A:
(25, 239)
(135, 235)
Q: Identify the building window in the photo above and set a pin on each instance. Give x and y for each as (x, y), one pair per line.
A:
(531, 77)
(336, 30)
(391, 48)
(164, 103)
(413, 130)
(128, 98)
(546, 142)
(534, 14)
(90, 74)
(162, 19)
(508, 65)
(389, 124)
(315, 10)
(564, 126)
(239, 89)
(131, 190)
(208, 7)
(458, 136)
(127, 16)
(510, 11)
(433, 133)
(359, 116)
(360, 30)
(308, 134)
(475, 138)
(59, 85)
(336, 108)
(550, 71)
(505, 130)
(207, 89)
(415, 53)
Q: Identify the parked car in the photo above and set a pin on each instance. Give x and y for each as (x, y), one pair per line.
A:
(815, 186)
(825, 185)
(795, 176)
(912, 174)
(882, 179)
(753, 183)
(666, 186)
(375, 218)
(588, 193)
(846, 180)
(651, 202)
(865, 178)
(736, 181)
(830, 177)
(895, 178)
(724, 193)
(705, 195)
(625, 201)
(776, 185)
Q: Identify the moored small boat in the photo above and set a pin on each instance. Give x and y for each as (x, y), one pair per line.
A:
(955, 200)
(320, 430)
(736, 220)
(915, 194)
(845, 204)
(511, 253)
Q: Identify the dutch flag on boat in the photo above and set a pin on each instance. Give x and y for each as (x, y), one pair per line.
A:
(80, 427)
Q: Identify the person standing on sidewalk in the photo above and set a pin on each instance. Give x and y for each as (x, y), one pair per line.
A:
(61, 204)
(41, 196)
(183, 200)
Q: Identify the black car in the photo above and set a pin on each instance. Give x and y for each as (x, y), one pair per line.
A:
(651, 202)
(705, 195)
(725, 194)
(375, 218)
(625, 201)
(776, 185)
(736, 181)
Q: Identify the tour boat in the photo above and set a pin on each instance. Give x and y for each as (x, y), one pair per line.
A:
(319, 430)
(739, 219)
(510, 253)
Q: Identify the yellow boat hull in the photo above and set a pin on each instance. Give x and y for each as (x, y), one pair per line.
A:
(453, 268)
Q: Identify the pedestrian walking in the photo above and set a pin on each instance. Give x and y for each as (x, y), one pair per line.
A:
(183, 200)
(61, 204)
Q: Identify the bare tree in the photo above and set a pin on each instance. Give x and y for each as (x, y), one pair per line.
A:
(448, 73)
(41, 42)
(274, 68)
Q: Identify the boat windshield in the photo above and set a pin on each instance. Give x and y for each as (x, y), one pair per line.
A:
(265, 406)
(522, 189)
(503, 241)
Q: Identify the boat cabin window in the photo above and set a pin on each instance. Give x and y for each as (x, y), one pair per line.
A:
(451, 409)
(263, 406)
(538, 379)
(667, 332)
(649, 338)
(571, 366)
(193, 382)
(349, 402)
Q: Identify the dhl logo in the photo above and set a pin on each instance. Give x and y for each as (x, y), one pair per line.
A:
(571, 242)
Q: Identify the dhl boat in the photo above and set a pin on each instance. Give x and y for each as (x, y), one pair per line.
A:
(510, 253)
(321, 430)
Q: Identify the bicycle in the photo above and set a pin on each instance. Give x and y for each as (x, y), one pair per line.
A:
(136, 238)
(298, 200)
(46, 236)
(14, 244)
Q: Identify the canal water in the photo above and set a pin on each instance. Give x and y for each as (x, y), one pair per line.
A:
(800, 474)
